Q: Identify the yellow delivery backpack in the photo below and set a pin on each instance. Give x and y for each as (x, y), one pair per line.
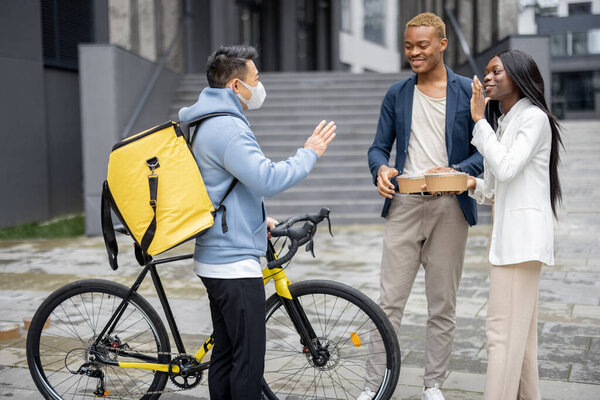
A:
(155, 188)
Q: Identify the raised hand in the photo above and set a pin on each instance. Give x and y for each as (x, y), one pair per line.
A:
(478, 102)
(321, 137)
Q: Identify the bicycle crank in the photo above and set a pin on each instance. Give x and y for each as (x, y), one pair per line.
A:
(189, 374)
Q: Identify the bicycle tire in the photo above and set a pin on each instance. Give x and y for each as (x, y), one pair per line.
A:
(289, 372)
(77, 312)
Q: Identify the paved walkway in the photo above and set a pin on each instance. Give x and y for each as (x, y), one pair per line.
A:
(569, 310)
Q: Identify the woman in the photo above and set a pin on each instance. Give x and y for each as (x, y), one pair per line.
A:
(521, 181)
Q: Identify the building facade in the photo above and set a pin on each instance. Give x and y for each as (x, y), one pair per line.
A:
(303, 35)
(574, 30)
(43, 167)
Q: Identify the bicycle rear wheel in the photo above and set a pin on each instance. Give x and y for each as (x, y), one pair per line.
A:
(76, 315)
(348, 326)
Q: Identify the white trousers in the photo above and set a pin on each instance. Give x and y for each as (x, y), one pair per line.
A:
(511, 330)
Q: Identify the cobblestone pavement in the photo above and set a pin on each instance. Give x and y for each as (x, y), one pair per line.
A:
(569, 308)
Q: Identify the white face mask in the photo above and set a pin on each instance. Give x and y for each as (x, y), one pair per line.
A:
(257, 96)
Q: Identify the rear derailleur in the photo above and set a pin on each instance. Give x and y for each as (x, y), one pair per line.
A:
(92, 371)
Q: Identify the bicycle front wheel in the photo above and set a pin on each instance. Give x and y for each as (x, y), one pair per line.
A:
(354, 335)
(59, 344)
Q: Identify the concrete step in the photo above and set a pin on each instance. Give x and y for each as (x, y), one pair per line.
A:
(281, 151)
(356, 91)
(324, 76)
(340, 219)
(339, 117)
(356, 124)
(308, 105)
(290, 88)
(299, 100)
(295, 103)
(330, 193)
(294, 207)
(265, 134)
(331, 155)
(352, 179)
(294, 142)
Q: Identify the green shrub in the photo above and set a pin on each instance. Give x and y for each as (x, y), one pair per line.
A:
(68, 226)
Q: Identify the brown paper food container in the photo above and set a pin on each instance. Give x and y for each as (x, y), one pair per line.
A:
(446, 182)
(410, 183)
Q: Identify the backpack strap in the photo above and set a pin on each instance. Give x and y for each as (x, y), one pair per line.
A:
(189, 135)
(186, 125)
(153, 188)
(221, 205)
(108, 229)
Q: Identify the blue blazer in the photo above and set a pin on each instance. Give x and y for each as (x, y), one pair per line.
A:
(394, 125)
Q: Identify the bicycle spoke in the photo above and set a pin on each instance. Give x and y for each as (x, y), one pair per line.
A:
(73, 331)
(337, 320)
(82, 316)
(330, 314)
(99, 310)
(66, 347)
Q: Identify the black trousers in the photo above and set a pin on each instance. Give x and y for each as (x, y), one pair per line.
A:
(237, 307)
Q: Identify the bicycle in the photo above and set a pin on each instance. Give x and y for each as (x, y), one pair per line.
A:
(105, 340)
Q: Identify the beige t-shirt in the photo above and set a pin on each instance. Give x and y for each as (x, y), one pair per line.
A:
(427, 143)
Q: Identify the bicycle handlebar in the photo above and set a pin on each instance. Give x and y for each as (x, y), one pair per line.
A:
(297, 235)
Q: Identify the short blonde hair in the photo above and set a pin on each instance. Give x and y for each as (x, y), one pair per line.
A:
(429, 19)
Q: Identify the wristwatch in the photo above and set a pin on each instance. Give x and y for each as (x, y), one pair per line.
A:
(456, 167)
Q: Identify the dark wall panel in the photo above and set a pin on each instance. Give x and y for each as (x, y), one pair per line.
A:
(63, 125)
(23, 148)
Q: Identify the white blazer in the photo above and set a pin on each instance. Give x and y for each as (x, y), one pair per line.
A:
(517, 179)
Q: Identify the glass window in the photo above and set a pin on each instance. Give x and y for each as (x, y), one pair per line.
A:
(374, 21)
(65, 24)
(579, 43)
(575, 43)
(558, 44)
(573, 91)
(594, 41)
(596, 81)
(580, 8)
(346, 16)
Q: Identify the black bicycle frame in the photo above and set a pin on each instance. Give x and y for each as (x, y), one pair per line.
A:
(293, 308)
(114, 319)
(297, 314)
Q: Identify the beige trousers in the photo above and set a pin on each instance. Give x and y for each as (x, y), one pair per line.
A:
(428, 231)
(511, 330)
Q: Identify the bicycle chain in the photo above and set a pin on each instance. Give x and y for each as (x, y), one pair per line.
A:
(165, 390)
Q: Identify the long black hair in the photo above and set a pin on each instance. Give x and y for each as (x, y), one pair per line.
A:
(525, 75)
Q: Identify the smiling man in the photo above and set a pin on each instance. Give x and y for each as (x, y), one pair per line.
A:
(428, 118)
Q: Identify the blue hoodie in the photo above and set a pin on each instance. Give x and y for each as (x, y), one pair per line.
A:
(224, 148)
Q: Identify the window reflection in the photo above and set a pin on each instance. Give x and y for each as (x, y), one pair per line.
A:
(346, 22)
(567, 44)
(579, 43)
(374, 21)
(574, 91)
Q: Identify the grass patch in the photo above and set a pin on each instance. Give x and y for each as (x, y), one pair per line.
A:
(70, 226)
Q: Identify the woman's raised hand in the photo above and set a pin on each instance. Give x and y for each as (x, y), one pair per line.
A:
(478, 102)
